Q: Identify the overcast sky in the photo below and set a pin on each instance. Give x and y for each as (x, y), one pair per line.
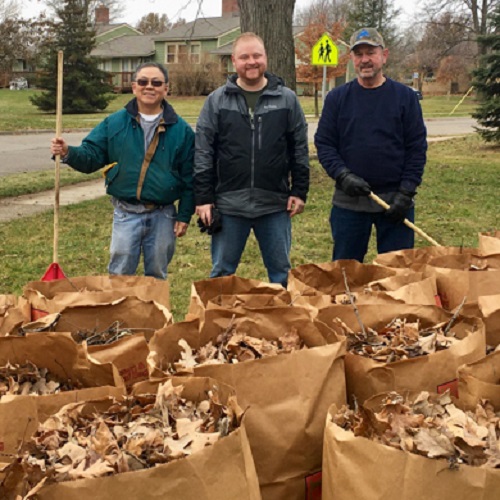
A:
(187, 9)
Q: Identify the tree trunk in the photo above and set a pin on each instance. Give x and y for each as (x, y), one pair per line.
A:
(272, 21)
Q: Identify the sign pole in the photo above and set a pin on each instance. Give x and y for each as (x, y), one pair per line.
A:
(323, 89)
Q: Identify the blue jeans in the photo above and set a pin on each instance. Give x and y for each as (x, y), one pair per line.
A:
(274, 236)
(351, 233)
(151, 233)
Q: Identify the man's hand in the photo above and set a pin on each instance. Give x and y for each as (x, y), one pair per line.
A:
(295, 205)
(352, 184)
(403, 201)
(180, 228)
(58, 146)
(204, 212)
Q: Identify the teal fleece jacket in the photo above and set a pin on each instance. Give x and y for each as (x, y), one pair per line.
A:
(162, 175)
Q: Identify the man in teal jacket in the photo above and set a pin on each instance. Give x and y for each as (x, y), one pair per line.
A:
(148, 151)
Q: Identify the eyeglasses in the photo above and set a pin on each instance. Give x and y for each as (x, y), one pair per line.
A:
(142, 82)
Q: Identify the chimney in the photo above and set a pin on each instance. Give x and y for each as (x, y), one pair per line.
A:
(230, 8)
(102, 15)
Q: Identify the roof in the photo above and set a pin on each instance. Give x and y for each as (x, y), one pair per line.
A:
(125, 46)
(100, 29)
(201, 29)
(227, 49)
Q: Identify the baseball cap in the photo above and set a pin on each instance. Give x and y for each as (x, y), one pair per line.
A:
(368, 36)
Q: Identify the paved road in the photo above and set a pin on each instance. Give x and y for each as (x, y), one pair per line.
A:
(30, 152)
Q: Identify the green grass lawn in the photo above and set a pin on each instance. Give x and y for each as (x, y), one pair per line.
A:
(18, 114)
(458, 199)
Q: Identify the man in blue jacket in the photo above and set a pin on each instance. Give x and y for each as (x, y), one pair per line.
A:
(148, 150)
(371, 137)
(251, 163)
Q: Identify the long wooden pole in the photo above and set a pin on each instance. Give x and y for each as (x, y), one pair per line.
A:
(408, 223)
(58, 157)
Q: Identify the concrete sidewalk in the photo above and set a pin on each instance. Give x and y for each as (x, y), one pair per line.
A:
(31, 204)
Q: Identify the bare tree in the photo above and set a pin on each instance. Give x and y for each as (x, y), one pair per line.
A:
(21, 39)
(153, 23)
(443, 44)
(471, 14)
(9, 9)
(333, 11)
(272, 20)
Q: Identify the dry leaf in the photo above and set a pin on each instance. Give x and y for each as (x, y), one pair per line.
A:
(431, 426)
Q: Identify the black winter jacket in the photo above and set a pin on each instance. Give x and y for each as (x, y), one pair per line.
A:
(249, 166)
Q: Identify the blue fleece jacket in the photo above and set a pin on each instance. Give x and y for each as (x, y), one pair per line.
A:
(379, 134)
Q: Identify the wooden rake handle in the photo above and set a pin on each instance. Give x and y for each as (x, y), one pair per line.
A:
(55, 257)
(406, 222)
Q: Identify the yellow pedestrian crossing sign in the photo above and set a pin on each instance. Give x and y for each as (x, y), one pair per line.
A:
(325, 52)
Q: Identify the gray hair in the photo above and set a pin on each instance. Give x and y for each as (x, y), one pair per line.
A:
(151, 64)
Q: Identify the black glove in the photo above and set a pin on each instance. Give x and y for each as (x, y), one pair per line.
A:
(214, 227)
(352, 184)
(403, 201)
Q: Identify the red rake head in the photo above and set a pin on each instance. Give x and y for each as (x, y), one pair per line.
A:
(53, 272)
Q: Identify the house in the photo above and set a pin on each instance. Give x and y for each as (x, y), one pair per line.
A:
(120, 48)
(200, 50)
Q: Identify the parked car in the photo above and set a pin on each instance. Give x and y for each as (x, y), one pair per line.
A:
(18, 84)
(419, 94)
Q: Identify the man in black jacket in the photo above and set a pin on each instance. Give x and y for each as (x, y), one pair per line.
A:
(251, 163)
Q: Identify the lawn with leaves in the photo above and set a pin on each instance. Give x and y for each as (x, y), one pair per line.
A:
(458, 199)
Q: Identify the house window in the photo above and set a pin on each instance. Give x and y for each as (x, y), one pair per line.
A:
(105, 65)
(195, 53)
(171, 54)
(181, 53)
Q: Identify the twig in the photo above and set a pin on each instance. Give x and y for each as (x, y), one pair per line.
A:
(351, 300)
(454, 317)
(21, 444)
(225, 334)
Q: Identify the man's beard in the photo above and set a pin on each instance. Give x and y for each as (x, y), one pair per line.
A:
(373, 72)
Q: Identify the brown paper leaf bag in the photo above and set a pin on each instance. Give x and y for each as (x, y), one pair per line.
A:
(142, 317)
(405, 259)
(14, 311)
(313, 303)
(480, 380)
(434, 372)
(328, 279)
(358, 468)
(285, 396)
(489, 243)
(454, 285)
(205, 290)
(20, 415)
(47, 297)
(222, 471)
(129, 355)
(489, 307)
(467, 262)
(410, 288)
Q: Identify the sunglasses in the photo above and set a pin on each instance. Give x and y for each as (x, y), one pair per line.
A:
(142, 82)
